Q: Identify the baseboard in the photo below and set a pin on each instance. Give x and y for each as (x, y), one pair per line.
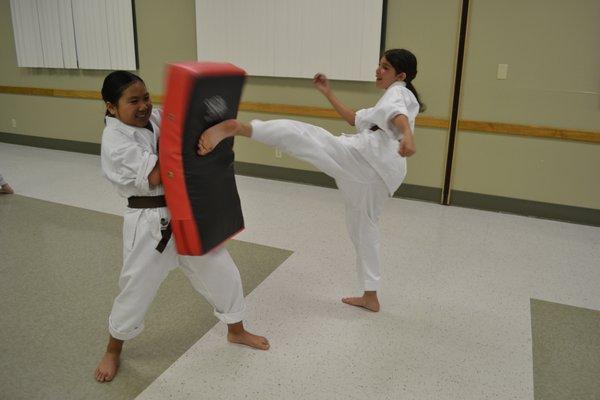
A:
(320, 179)
(529, 208)
(51, 143)
(579, 215)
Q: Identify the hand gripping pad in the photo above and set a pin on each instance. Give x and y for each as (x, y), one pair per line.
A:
(200, 190)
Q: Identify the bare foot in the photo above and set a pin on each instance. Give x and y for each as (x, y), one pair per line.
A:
(248, 339)
(369, 302)
(107, 368)
(211, 137)
(6, 189)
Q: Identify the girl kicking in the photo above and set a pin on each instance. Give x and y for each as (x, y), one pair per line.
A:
(368, 166)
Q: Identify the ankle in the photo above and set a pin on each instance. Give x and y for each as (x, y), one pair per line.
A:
(116, 350)
(245, 130)
(370, 295)
(115, 346)
(235, 329)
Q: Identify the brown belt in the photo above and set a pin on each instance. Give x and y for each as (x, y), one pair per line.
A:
(146, 202)
(153, 202)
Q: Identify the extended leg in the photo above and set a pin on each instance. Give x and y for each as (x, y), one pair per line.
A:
(306, 142)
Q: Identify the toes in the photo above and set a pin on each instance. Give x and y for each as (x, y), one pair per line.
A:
(203, 148)
(354, 301)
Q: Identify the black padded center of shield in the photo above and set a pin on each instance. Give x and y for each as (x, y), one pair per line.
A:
(210, 179)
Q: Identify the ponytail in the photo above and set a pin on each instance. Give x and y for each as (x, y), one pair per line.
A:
(422, 106)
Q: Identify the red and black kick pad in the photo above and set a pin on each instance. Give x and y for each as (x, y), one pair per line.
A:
(200, 190)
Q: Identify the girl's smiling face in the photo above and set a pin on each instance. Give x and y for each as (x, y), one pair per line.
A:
(386, 74)
(134, 106)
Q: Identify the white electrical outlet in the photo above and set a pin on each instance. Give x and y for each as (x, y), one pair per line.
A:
(13, 122)
(277, 152)
(502, 71)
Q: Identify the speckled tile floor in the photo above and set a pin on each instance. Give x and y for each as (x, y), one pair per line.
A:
(455, 320)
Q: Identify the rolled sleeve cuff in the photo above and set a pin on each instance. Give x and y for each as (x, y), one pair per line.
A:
(394, 112)
(141, 181)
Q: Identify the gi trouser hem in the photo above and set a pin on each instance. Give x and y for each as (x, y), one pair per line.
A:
(124, 335)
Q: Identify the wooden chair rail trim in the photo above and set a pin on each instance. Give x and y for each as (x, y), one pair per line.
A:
(318, 112)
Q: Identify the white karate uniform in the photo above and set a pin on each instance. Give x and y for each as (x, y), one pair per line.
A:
(128, 155)
(366, 166)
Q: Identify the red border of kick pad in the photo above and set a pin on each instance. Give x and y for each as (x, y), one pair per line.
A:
(179, 83)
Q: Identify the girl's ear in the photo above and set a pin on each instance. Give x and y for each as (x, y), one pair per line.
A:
(111, 109)
(401, 76)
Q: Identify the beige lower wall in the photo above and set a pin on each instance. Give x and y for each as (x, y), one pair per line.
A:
(57, 118)
(544, 170)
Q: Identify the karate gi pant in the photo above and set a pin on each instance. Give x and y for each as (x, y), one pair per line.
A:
(363, 190)
(214, 275)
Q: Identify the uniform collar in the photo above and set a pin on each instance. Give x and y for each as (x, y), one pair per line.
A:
(398, 83)
(115, 123)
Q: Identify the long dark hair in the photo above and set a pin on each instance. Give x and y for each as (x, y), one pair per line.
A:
(404, 61)
(115, 84)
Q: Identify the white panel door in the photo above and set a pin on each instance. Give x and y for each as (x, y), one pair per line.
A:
(49, 21)
(209, 28)
(371, 29)
(67, 34)
(91, 33)
(119, 19)
(287, 27)
(104, 34)
(26, 27)
(292, 38)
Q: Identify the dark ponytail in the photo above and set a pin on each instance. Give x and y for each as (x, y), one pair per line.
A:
(115, 84)
(404, 61)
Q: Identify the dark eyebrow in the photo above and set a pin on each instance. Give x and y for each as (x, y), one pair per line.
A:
(137, 97)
